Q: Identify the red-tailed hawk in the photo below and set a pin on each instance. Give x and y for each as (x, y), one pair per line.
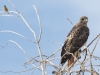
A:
(76, 38)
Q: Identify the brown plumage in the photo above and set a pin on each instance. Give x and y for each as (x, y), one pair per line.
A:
(76, 38)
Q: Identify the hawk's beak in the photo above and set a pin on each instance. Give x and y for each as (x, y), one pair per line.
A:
(86, 20)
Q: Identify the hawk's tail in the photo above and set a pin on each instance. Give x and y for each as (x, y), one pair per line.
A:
(70, 61)
(65, 58)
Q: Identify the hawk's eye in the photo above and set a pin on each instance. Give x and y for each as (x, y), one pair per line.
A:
(82, 19)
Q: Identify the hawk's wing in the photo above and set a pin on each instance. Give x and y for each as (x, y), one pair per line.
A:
(75, 40)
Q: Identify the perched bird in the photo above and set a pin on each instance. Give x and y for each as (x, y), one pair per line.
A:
(5, 9)
(76, 38)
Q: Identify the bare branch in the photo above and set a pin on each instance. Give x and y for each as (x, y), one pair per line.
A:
(95, 45)
(20, 71)
(54, 42)
(13, 5)
(53, 53)
(18, 35)
(33, 64)
(90, 61)
(39, 23)
(19, 47)
(69, 20)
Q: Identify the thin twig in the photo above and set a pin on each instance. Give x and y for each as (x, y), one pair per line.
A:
(90, 61)
(33, 65)
(34, 59)
(39, 23)
(18, 35)
(96, 57)
(69, 20)
(52, 64)
(20, 71)
(19, 47)
(53, 53)
(13, 5)
(95, 45)
(84, 57)
(54, 42)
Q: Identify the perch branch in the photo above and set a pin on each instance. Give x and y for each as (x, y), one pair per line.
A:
(18, 35)
(39, 23)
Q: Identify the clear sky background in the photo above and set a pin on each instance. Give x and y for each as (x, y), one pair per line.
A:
(55, 28)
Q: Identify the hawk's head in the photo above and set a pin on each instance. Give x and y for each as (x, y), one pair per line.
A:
(83, 20)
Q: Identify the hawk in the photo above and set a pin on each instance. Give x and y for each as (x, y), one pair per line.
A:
(76, 38)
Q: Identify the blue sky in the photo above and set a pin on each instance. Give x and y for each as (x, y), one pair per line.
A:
(55, 28)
